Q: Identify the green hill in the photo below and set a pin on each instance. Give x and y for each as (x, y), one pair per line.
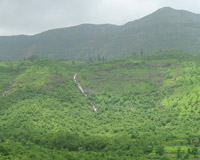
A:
(148, 108)
(165, 29)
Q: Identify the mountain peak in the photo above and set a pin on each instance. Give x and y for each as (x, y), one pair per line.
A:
(165, 15)
(167, 8)
(166, 28)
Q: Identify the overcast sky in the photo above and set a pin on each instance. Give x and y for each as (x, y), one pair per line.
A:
(34, 16)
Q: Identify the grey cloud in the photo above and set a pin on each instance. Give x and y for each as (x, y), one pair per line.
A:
(34, 16)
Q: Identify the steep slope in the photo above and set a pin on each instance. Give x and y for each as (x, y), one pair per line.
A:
(165, 29)
(148, 108)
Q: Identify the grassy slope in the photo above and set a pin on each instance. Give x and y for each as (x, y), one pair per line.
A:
(144, 102)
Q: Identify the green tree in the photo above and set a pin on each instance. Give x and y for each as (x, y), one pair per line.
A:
(160, 150)
(141, 52)
(194, 151)
(98, 58)
(179, 153)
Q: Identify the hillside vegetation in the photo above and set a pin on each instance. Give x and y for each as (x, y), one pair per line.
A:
(148, 108)
(165, 29)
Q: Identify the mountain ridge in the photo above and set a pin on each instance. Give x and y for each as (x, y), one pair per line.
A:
(165, 29)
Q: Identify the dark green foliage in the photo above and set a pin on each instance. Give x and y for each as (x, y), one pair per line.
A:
(147, 108)
(160, 150)
(194, 151)
(178, 153)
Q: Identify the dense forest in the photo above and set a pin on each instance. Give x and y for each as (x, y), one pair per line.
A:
(148, 108)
